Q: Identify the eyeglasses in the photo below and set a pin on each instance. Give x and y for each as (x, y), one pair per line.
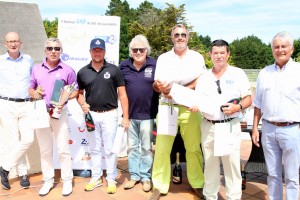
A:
(135, 50)
(183, 35)
(13, 42)
(219, 88)
(51, 48)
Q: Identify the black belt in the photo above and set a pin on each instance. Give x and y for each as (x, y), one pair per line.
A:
(282, 123)
(15, 99)
(102, 111)
(219, 121)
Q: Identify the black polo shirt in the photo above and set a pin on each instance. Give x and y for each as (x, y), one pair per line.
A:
(100, 87)
(143, 100)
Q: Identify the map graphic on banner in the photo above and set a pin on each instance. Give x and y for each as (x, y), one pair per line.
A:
(76, 33)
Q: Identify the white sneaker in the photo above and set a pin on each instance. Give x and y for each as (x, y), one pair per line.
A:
(67, 188)
(46, 188)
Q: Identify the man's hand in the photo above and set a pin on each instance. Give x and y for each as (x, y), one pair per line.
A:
(38, 93)
(194, 109)
(85, 108)
(125, 123)
(255, 137)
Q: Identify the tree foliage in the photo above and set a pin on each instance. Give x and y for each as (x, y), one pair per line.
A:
(156, 24)
(250, 53)
(51, 27)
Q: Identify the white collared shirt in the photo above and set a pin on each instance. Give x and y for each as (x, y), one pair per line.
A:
(278, 92)
(234, 83)
(15, 76)
(173, 69)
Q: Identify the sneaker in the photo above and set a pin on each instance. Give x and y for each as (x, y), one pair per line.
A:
(155, 195)
(93, 184)
(111, 187)
(24, 181)
(67, 188)
(46, 188)
(4, 179)
(147, 186)
(199, 192)
(130, 184)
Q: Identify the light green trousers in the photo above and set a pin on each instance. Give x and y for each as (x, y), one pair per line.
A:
(189, 123)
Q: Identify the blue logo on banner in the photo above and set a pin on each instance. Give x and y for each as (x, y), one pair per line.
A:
(66, 57)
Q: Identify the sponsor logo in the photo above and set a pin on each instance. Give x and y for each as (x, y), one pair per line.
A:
(67, 57)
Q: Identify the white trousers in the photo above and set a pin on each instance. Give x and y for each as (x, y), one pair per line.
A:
(14, 118)
(231, 164)
(58, 132)
(105, 132)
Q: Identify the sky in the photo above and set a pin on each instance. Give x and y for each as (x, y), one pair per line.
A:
(219, 19)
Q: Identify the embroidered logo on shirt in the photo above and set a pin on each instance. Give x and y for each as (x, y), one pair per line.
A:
(107, 75)
(148, 73)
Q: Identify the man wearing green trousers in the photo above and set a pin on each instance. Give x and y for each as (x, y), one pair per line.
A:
(181, 66)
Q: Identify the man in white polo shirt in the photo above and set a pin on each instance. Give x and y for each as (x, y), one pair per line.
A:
(182, 66)
(220, 85)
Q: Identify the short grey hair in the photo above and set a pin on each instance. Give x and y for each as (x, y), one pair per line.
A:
(53, 40)
(285, 36)
(139, 39)
(179, 26)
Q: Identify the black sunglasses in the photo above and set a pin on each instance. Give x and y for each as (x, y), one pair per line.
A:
(183, 35)
(51, 48)
(141, 50)
(219, 88)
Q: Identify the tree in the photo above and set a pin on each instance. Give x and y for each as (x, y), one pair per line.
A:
(250, 53)
(127, 14)
(296, 53)
(51, 27)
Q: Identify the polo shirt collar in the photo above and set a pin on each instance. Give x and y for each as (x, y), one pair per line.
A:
(59, 65)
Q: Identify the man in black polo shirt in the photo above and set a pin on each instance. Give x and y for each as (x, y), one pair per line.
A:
(102, 83)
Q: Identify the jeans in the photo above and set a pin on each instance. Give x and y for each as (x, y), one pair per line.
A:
(140, 161)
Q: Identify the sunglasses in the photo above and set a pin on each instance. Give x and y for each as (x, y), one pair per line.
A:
(183, 35)
(51, 48)
(141, 50)
(219, 88)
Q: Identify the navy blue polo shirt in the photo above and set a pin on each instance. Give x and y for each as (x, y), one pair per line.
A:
(100, 87)
(143, 100)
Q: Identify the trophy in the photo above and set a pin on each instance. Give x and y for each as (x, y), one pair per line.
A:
(60, 96)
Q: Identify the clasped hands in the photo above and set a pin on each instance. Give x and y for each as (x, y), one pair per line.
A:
(164, 87)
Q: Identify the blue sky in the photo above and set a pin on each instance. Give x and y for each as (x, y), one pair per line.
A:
(225, 19)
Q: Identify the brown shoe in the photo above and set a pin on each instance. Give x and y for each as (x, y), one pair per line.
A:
(147, 186)
(130, 184)
(199, 192)
(155, 195)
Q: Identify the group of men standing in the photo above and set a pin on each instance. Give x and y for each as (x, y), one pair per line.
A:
(137, 83)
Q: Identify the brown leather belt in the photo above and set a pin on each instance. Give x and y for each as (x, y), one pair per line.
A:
(103, 111)
(219, 121)
(282, 123)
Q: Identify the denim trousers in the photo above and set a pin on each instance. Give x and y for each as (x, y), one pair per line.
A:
(281, 145)
(140, 156)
